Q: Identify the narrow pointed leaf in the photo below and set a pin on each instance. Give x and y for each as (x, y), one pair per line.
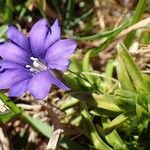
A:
(7, 116)
(142, 114)
(131, 68)
(123, 76)
(86, 67)
(113, 138)
(115, 123)
(38, 125)
(106, 102)
(91, 131)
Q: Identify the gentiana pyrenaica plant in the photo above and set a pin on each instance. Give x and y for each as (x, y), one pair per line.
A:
(28, 61)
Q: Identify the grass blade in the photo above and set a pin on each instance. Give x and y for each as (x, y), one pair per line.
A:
(136, 17)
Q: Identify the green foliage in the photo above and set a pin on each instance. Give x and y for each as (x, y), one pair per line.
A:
(7, 116)
(43, 128)
(136, 17)
(91, 131)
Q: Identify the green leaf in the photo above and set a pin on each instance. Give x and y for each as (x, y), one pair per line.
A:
(76, 121)
(91, 131)
(115, 123)
(142, 114)
(71, 81)
(99, 35)
(3, 30)
(86, 62)
(106, 102)
(136, 17)
(133, 71)
(109, 40)
(147, 80)
(10, 104)
(40, 126)
(126, 100)
(143, 99)
(123, 76)
(72, 77)
(7, 116)
(69, 102)
(113, 138)
(86, 67)
(109, 72)
(8, 15)
(109, 68)
(104, 112)
(75, 65)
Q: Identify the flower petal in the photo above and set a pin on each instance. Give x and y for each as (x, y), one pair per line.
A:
(10, 51)
(37, 38)
(57, 82)
(10, 76)
(58, 54)
(6, 64)
(53, 35)
(18, 88)
(18, 38)
(39, 85)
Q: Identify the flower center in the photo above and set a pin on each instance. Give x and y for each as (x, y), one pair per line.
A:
(36, 65)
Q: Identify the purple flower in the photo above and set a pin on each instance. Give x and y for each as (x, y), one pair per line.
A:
(27, 62)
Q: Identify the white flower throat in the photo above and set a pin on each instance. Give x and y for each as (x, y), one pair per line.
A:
(36, 65)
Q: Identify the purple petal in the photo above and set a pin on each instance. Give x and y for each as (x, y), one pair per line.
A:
(5, 64)
(57, 82)
(11, 76)
(58, 54)
(18, 88)
(37, 38)
(18, 38)
(10, 51)
(53, 35)
(39, 85)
